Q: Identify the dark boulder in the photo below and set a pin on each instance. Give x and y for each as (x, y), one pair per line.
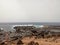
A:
(33, 43)
(20, 42)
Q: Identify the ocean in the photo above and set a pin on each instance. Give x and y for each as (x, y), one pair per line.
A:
(9, 26)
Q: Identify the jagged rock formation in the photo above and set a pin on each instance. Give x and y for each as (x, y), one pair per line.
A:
(38, 32)
(29, 31)
(21, 28)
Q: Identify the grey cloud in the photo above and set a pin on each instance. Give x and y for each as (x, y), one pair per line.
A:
(29, 10)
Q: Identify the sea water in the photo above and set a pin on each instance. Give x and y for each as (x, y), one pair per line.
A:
(9, 26)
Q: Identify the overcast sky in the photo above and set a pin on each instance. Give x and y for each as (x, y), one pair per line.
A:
(29, 10)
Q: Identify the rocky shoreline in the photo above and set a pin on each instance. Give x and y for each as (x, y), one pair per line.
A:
(28, 31)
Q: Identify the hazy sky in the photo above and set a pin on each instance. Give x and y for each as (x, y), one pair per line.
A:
(29, 10)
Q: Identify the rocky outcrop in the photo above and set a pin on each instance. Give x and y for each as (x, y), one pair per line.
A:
(33, 31)
(28, 31)
(20, 28)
